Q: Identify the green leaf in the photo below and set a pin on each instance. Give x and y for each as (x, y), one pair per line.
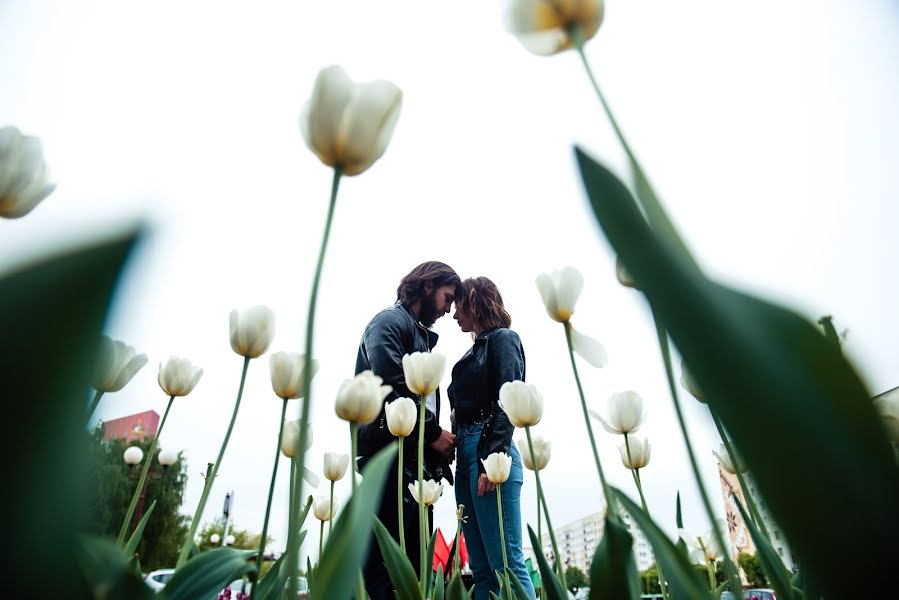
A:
(272, 585)
(773, 567)
(517, 588)
(339, 568)
(683, 581)
(437, 594)
(551, 583)
(613, 573)
(398, 566)
(455, 590)
(430, 555)
(310, 576)
(800, 416)
(134, 540)
(681, 544)
(51, 315)
(107, 572)
(207, 574)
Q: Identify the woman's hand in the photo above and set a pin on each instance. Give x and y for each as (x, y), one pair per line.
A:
(484, 485)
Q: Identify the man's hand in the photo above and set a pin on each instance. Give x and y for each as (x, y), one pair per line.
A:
(445, 445)
(484, 485)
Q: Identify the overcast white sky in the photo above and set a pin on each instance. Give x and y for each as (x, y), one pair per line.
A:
(769, 128)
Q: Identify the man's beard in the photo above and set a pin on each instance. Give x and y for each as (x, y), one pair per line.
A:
(428, 312)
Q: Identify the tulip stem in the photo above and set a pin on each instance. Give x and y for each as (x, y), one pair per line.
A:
(422, 518)
(151, 454)
(711, 571)
(293, 551)
(549, 523)
(271, 492)
(94, 403)
(195, 522)
(502, 537)
(753, 509)
(354, 434)
(602, 478)
(399, 493)
(457, 559)
(332, 504)
(662, 335)
(321, 538)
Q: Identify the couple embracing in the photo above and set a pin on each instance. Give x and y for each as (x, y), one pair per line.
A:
(479, 425)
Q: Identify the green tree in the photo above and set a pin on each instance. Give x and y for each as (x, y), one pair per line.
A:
(110, 484)
(243, 539)
(649, 581)
(753, 569)
(575, 578)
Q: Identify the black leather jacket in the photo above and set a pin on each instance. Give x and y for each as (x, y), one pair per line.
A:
(496, 357)
(392, 333)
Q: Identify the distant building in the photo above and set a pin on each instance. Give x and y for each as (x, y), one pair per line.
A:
(740, 539)
(133, 427)
(578, 542)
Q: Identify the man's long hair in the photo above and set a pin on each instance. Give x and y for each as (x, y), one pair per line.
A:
(438, 274)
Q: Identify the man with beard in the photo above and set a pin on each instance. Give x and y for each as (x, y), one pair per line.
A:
(423, 296)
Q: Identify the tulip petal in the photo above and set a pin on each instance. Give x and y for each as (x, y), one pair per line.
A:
(368, 123)
(321, 120)
(589, 349)
(310, 477)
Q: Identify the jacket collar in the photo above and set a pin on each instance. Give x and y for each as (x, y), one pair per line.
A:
(432, 336)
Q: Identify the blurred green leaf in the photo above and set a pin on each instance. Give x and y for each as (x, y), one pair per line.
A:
(438, 585)
(681, 544)
(339, 568)
(134, 540)
(800, 416)
(517, 588)
(455, 589)
(51, 315)
(398, 566)
(207, 574)
(430, 553)
(613, 573)
(773, 567)
(105, 570)
(272, 585)
(683, 581)
(551, 584)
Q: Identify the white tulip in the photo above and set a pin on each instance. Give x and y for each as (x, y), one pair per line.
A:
(24, 182)
(178, 376)
(521, 402)
(706, 545)
(133, 455)
(725, 462)
(290, 433)
(887, 406)
(498, 466)
(623, 275)
(323, 509)
(335, 465)
(543, 26)
(117, 363)
(542, 452)
(640, 451)
(214, 539)
(431, 490)
(560, 291)
(167, 457)
(359, 399)
(401, 416)
(252, 330)
(589, 349)
(348, 125)
(423, 371)
(286, 369)
(625, 413)
(689, 384)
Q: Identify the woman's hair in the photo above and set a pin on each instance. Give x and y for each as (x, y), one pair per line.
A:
(438, 274)
(480, 299)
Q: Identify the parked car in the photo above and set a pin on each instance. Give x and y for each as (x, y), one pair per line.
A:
(759, 594)
(157, 579)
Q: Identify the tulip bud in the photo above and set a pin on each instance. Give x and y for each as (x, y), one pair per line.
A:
(401, 416)
(359, 399)
(521, 402)
(133, 455)
(689, 384)
(23, 174)
(290, 434)
(252, 330)
(725, 461)
(497, 466)
(625, 413)
(560, 291)
(178, 376)
(639, 452)
(117, 364)
(167, 457)
(545, 28)
(542, 451)
(887, 406)
(335, 465)
(423, 371)
(323, 509)
(349, 125)
(286, 369)
(431, 490)
(624, 277)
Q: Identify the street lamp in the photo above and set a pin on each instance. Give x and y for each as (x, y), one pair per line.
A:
(133, 456)
(167, 458)
(214, 539)
(229, 541)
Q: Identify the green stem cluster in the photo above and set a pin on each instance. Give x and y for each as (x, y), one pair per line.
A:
(195, 522)
(422, 515)
(293, 548)
(549, 524)
(502, 538)
(151, 454)
(399, 493)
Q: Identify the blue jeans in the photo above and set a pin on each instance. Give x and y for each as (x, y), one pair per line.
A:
(485, 553)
